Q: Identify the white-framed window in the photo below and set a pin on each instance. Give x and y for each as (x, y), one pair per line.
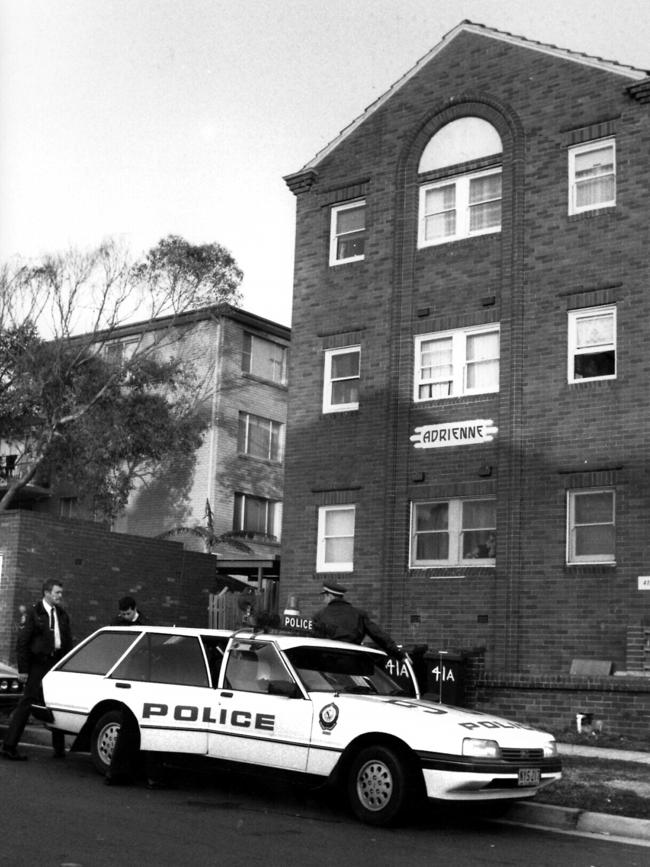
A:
(454, 532)
(592, 176)
(257, 515)
(341, 379)
(592, 343)
(118, 351)
(260, 437)
(335, 549)
(348, 232)
(455, 363)
(264, 358)
(591, 526)
(460, 207)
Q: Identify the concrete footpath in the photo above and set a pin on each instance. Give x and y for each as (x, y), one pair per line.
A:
(573, 819)
(529, 813)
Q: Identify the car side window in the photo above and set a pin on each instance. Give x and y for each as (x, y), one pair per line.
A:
(100, 653)
(163, 658)
(256, 667)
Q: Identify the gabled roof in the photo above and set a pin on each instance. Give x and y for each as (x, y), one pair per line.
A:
(629, 72)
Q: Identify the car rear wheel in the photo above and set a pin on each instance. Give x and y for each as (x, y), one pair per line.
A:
(381, 785)
(104, 738)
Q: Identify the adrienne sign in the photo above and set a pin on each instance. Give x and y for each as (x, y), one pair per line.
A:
(454, 433)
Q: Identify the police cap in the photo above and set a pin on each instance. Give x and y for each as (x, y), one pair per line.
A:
(333, 588)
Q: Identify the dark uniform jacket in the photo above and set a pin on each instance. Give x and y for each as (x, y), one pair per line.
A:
(343, 622)
(140, 620)
(35, 641)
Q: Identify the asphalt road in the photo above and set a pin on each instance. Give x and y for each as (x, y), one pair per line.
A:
(60, 813)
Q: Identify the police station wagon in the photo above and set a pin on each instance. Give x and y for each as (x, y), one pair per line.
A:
(319, 708)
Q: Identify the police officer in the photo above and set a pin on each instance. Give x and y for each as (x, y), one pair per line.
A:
(340, 620)
(44, 638)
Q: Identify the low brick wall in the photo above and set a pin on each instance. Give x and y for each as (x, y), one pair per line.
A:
(97, 567)
(620, 702)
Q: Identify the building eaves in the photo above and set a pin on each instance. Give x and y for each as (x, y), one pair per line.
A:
(227, 311)
(295, 179)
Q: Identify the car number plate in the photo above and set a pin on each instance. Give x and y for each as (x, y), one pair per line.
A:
(528, 777)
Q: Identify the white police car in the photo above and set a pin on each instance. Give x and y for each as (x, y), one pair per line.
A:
(319, 708)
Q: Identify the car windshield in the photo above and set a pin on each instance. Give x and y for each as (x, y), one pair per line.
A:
(331, 670)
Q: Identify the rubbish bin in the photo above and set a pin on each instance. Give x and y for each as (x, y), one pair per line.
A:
(445, 677)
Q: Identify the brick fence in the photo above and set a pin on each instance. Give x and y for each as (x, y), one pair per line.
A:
(96, 568)
(618, 703)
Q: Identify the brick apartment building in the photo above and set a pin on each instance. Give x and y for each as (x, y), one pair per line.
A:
(234, 483)
(469, 406)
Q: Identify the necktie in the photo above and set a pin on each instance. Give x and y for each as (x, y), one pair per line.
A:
(52, 619)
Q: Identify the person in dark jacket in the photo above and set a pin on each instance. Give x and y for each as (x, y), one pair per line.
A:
(343, 622)
(127, 757)
(128, 613)
(43, 639)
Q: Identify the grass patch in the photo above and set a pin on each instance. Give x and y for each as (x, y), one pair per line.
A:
(601, 786)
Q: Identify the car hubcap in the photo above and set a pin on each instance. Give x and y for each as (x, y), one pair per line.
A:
(106, 742)
(374, 785)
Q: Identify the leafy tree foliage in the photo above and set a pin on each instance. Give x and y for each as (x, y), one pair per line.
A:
(190, 276)
(74, 405)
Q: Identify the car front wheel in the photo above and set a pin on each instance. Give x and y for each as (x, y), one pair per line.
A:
(104, 738)
(381, 784)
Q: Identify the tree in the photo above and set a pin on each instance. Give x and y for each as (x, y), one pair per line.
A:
(79, 404)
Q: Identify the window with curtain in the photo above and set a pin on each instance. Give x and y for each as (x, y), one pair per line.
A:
(257, 515)
(335, 547)
(260, 437)
(591, 526)
(264, 358)
(348, 232)
(592, 176)
(455, 363)
(341, 379)
(462, 207)
(461, 204)
(454, 532)
(592, 344)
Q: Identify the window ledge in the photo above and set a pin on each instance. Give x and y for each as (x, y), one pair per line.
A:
(255, 378)
(441, 572)
(345, 262)
(456, 400)
(258, 460)
(456, 246)
(570, 387)
(589, 568)
(606, 210)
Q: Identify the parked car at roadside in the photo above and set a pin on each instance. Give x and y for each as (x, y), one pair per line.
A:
(11, 688)
(325, 710)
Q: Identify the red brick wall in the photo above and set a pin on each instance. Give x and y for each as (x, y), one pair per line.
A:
(96, 568)
(532, 612)
(621, 704)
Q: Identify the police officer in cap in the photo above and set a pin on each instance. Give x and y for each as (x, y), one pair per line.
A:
(340, 620)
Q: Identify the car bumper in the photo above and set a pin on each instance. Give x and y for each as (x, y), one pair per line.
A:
(458, 779)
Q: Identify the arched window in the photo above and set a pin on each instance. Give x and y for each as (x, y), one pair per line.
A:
(462, 140)
(460, 204)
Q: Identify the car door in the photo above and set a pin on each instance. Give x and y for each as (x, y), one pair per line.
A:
(263, 717)
(164, 681)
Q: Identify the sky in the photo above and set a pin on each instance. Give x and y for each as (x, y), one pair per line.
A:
(136, 119)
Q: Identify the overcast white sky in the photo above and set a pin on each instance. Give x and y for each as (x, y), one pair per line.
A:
(141, 118)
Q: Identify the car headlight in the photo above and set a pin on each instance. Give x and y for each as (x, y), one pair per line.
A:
(481, 748)
(550, 749)
(4, 685)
